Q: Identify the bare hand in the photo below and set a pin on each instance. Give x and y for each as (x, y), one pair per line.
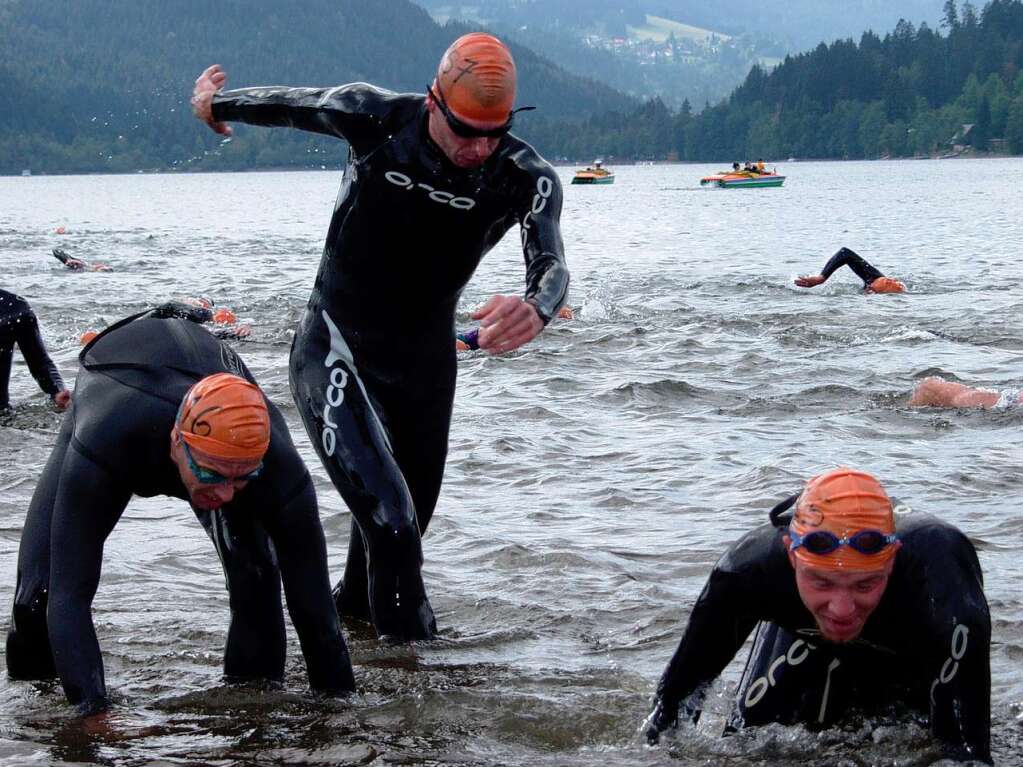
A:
(208, 83)
(810, 280)
(62, 399)
(507, 322)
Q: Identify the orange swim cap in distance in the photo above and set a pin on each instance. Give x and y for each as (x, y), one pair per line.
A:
(886, 285)
(844, 502)
(476, 78)
(225, 417)
(87, 336)
(224, 316)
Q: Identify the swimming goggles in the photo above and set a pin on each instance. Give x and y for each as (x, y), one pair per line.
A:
(463, 129)
(210, 477)
(823, 542)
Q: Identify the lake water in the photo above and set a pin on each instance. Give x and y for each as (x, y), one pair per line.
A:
(593, 477)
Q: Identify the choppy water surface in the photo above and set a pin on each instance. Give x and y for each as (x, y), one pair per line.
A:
(593, 478)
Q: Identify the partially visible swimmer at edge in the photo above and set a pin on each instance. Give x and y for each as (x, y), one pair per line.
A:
(937, 392)
(77, 264)
(469, 340)
(873, 280)
(855, 609)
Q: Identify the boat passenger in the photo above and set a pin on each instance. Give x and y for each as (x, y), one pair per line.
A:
(937, 392)
(760, 165)
(163, 408)
(873, 280)
(735, 167)
(856, 611)
(375, 389)
(19, 326)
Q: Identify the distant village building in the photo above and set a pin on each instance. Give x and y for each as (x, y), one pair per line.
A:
(961, 140)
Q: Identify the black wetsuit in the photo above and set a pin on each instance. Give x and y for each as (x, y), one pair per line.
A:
(925, 646)
(852, 259)
(115, 443)
(18, 325)
(373, 362)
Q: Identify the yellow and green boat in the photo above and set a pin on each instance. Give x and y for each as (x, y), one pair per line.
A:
(594, 174)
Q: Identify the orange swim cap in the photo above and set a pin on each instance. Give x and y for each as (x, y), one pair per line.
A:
(476, 78)
(225, 417)
(844, 502)
(87, 336)
(566, 313)
(886, 285)
(224, 316)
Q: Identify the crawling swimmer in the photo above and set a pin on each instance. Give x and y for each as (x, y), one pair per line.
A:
(77, 264)
(873, 280)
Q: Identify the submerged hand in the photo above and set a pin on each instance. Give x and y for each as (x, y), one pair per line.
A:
(810, 280)
(660, 719)
(207, 84)
(507, 322)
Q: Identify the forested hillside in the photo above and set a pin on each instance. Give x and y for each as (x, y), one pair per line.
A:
(908, 93)
(93, 86)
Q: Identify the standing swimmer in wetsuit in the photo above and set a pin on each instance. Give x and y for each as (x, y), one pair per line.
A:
(873, 280)
(18, 325)
(163, 408)
(432, 184)
(854, 611)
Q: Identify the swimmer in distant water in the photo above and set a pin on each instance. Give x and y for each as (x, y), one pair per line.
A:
(873, 280)
(469, 340)
(19, 326)
(198, 310)
(855, 611)
(164, 408)
(77, 265)
(937, 392)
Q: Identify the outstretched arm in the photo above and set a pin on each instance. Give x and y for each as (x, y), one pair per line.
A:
(39, 363)
(844, 257)
(717, 628)
(344, 111)
(958, 658)
(937, 392)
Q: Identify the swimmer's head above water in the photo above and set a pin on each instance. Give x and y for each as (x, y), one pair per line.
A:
(220, 436)
(842, 545)
(470, 102)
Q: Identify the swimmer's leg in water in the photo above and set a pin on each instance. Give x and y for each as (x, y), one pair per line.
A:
(28, 643)
(356, 449)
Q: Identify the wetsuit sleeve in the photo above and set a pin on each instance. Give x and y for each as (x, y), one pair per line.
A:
(88, 504)
(39, 363)
(344, 111)
(302, 556)
(718, 625)
(542, 246)
(850, 258)
(958, 656)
